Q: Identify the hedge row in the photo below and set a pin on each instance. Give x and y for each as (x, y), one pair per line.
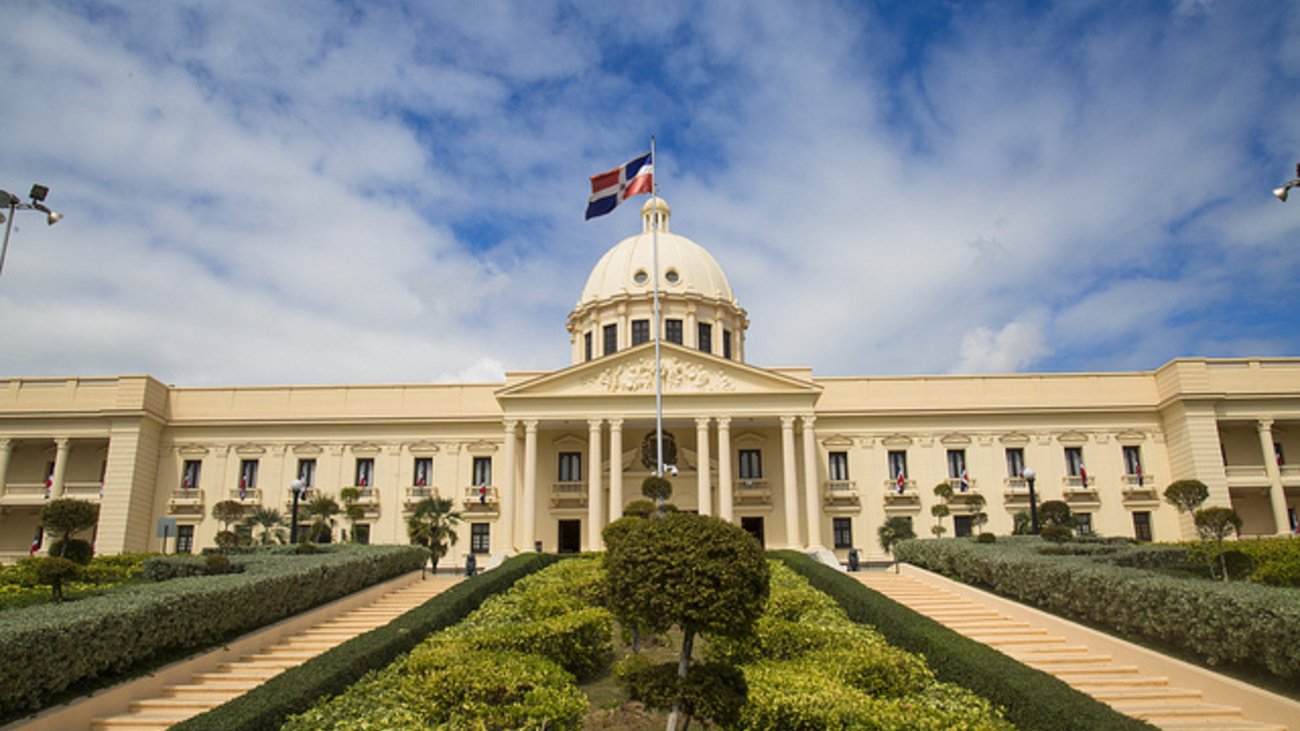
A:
(1236, 622)
(509, 664)
(46, 649)
(1029, 698)
(295, 691)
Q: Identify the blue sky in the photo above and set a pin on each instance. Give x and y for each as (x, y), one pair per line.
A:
(319, 192)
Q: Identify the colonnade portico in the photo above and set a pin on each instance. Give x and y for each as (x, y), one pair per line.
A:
(604, 473)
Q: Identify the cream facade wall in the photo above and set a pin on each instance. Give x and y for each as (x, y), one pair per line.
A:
(549, 458)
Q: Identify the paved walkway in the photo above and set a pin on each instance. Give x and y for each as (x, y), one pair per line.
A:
(208, 690)
(1137, 682)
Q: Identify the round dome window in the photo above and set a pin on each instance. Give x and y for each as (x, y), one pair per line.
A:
(640, 277)
(672, 276)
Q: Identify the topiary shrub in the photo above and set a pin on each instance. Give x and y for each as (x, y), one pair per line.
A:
(1056, 533)
(986, 538)
(226, 539)
(639, 509)
(1056, 512)
(54, 571)
(216, 563)
(75, 550)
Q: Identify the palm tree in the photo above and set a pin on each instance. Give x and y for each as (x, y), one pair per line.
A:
(895, 531)
(433, 525)
(322, 510)
(271, 523)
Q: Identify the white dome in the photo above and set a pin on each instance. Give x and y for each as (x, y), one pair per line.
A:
(685, 266)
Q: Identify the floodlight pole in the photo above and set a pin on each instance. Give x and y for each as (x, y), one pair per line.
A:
(1029, 476)
(296, 488)
(14, 203)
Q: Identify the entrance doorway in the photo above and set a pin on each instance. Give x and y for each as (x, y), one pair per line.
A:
(754, 526)
(570, 536)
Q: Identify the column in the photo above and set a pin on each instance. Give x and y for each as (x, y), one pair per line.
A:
(506, 522)
(595, 491)
(6, 447)
(725, 484)
(530, 485)
(702, 446)
(1276, 495)
(615, 469)
(812, 490)
(61, 447)
(789, 483)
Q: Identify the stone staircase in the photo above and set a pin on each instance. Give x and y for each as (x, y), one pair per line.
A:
(208, 690)
(1125, 686)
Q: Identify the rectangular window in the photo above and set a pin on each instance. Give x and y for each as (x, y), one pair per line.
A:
(704, 337)
(423, 474)
(184, 539)
(482, 471)
(1074, 461)
(842, 531)
(1015, 461)
(586, 344)
(897, 464)
(480, 538)
(1132, 460)
(838, 469)
(361, 533)
(640, 332)
(307, 472)
(247, 474)
(190, 473)
(956, 463)
(611, 339)
(751, 464)
(673, 331)
(570, 467)
(1083, 523)
(961, 525)
(1142, 525)
(726, 344)
(365, 476)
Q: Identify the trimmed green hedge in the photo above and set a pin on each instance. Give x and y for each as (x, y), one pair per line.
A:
(1029, 698)
(297, 689)
(46, 649)
(1234, 622)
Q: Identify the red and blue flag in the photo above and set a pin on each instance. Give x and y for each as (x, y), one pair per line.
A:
(610, 188)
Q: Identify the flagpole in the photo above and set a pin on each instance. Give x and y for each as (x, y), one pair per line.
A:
(659, 387)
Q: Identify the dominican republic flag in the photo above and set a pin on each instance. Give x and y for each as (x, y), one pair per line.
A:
(965, 481)
(243, 488)
(361, 480)
(49, 486)
(482, 494)
(1083, 476)
(1137, 470)
(420, 480)
(36, 541)
(610, 188)
(901, 481)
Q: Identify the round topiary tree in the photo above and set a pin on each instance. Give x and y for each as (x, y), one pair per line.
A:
(54, 570)
(698, 573)
(939, 511)
(1056, 512)
(66, 516)
(1216, 524)
(1187, 495)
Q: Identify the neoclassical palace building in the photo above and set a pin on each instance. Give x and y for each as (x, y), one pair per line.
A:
(547, 459)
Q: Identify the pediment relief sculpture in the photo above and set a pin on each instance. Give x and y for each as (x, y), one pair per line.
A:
(678, 375)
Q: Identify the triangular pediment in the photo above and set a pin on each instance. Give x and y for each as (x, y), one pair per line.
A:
(685, 372)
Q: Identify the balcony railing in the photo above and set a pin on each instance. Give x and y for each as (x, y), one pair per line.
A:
(83, 490)
(1138, 482)
(568, 494)
(250, 497)
(367, 496)
(480, 496)
(1076, 482)
(907, 493)
(840, 492)
(955, 484)
(1249, 472)
(751, 491)
(417, 493)
(186, 498)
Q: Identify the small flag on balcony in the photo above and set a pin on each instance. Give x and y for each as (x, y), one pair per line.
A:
(420, 480)
(243, 488)
(901, 481)
(185, 482)
(36, 541)
(101, 488)
(482, 494)
(1083, 476)
(361, 480)
(965, 481)
(49, 486)
(1137, 470)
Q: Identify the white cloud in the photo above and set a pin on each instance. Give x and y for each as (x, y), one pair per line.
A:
(1015, 347)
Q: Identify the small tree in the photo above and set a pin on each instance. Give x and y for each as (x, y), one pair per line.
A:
(353, 512)
(270, 521)
(1021, 525)
(433, 525)
(66, 516)
(639, 509)
(322, 510)
(1187, 495)
(658, 489)
(1056, 512)
(698, 573)
(227, 511)
(1216, 524)
(939, 511)
(54, 570)
(978, 518)
(895, 530)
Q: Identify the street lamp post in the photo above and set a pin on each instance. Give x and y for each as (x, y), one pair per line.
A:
(1288, 185)
(14, 203)
(1029, 476)
(296, 486)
